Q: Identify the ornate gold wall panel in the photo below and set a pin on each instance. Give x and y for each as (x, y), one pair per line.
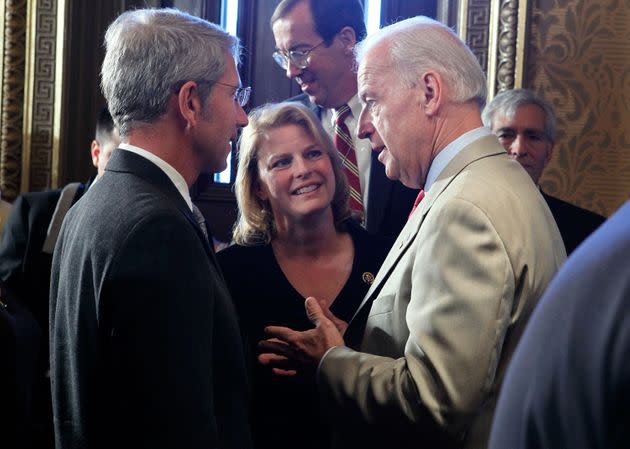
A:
(42, 124)
(496, 32)
(474, 27)
(13, 30)
(580, 61)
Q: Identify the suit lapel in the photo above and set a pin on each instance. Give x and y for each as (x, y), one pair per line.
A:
(481, 148)
(400, 246)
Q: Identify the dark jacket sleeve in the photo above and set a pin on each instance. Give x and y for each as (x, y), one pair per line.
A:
(14, 240)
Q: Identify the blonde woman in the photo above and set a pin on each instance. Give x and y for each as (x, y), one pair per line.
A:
(294, 238)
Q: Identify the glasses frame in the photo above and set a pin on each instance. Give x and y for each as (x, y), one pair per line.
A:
(241, 94)
(299, 58)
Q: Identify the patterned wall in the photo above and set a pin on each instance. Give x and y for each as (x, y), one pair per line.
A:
(579, 59)
(12, 85)
(477, 29)
(43, 135)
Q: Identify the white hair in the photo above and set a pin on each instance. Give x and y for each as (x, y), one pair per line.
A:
(419, 44)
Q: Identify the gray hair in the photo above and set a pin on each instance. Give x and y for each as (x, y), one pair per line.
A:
(148, 51)
(420, 44)
(508, 102)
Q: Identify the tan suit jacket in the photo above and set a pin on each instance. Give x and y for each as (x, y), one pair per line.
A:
(447, 308)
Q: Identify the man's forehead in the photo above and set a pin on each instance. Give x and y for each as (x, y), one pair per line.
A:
(230, 74)
(528, 116)
(371, 73)
(374, 62)
(294, 29)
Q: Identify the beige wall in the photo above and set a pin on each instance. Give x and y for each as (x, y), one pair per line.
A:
(579, 58)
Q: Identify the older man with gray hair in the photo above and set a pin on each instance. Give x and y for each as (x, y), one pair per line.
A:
(145, 347)
(454, 294)
(526, 126)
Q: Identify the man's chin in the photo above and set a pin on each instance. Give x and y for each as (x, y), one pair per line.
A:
(391, 172)
(214, 168)
(314, 96)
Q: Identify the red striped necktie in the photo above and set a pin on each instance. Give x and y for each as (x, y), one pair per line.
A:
(416, 202)
(345, 146)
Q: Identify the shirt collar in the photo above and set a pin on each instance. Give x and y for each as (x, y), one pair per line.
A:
(355, 108)
(450, 151)
(173, 175)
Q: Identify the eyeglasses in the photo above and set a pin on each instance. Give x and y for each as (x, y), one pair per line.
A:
(299, 58)
(241, 94)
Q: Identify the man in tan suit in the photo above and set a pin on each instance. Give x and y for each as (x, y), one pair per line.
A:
(452, 298)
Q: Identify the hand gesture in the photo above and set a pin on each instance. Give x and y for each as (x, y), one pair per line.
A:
(290, 352)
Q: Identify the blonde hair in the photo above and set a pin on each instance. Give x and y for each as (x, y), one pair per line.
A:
(255, 224)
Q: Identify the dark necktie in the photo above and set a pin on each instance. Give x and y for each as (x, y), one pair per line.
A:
(345, 146)
(201, 221)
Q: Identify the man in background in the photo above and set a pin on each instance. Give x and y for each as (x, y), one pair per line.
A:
(315, 40)
(145, 348)
(25, 263)
(453, 296)
(526, 127)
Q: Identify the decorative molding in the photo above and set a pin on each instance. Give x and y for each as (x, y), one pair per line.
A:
(13, 31)
(42, 102)
(474, 28)
(506, 46)
(522, 40)
(496, 31)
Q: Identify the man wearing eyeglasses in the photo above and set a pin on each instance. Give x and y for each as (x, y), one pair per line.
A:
(145, 347)
(315, 46)
(526, 127)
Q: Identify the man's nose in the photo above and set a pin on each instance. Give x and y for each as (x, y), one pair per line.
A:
(241, 118)
(292, 70)
(518, 148)
(365, 128)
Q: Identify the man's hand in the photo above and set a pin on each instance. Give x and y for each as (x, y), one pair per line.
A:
(289, 352)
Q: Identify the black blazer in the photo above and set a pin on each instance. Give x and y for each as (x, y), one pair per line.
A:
(25, 270)
(575, 224)
(145, 346)
(389, 202)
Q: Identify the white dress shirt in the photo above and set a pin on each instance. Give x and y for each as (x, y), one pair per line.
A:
(173, 175)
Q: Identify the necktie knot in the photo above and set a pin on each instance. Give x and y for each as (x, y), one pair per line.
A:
(341, 114)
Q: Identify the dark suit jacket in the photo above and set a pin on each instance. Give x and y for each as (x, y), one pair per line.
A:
(145, 347)
(389, 202)
(567, 385)
(575, 224)
(25, 270)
